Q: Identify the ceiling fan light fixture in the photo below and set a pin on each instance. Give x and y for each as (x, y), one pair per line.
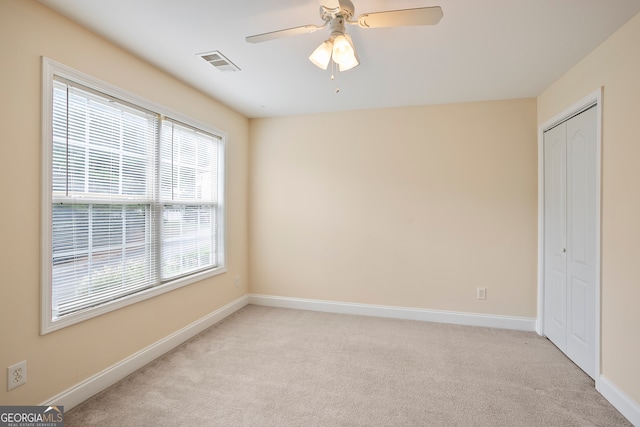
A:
(322, 55)
(350, 61)
(344, 53)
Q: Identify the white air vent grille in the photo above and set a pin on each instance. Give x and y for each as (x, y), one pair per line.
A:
(219, 61)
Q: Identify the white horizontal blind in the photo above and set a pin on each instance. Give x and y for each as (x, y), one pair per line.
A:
(103, 188)
(189, 198)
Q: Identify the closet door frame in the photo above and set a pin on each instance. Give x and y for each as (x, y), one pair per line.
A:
(594, 98)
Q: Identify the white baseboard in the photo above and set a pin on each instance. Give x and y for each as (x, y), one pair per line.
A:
(620, 400)
(457, 318)
(95, 384)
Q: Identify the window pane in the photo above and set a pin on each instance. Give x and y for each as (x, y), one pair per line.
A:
(104, 124)
(111, 147)
(100, 253)
(188, 242)
(107, 224)
(77, 117)
(104, 172)
(134, 180)
(77, 168)
(136, 226)
(70, 228)
(188, 164)
(186, 179)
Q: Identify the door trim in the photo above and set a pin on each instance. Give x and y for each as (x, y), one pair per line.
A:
(594, 98)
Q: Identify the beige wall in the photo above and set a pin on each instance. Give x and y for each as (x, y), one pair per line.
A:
(64, 358)
(615, 65)
(411, 207)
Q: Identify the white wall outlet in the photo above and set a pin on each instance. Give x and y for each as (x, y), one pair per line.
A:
(237, 283)
(16, 375)
(481, 293)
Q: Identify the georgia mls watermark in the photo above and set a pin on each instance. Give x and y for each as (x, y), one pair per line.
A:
(31, 416)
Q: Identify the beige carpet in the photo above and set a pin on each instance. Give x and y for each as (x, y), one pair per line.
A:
(278, 367)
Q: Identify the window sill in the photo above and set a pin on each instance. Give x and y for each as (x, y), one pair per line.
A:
(89, 313)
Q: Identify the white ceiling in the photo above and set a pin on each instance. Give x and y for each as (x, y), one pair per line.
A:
(480, 50)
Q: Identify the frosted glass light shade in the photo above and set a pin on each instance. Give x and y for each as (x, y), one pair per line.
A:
(350, 62)
(322, 55)
(343, 51)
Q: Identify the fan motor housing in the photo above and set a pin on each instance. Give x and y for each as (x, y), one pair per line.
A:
(347, 11)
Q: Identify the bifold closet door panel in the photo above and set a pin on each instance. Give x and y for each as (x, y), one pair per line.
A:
(581, 238)
(555, 238)
(570, 237)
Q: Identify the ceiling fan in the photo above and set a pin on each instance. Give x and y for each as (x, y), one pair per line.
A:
(339, 46)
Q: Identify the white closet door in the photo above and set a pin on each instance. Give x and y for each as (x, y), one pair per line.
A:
(570, 238)
(555, 235)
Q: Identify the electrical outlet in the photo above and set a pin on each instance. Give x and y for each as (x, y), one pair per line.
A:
(481, 293)
(16, 375)
(237, 284)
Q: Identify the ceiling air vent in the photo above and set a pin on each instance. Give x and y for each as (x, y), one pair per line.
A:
(219, 61)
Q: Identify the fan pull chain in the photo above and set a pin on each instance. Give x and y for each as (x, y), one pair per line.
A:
(333, 70)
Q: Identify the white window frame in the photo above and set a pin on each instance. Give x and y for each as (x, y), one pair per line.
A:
(49, 69)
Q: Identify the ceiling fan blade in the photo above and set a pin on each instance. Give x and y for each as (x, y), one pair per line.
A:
(401, 18)
(259, 38)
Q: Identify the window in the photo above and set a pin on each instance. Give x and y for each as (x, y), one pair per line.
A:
(132, 198)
